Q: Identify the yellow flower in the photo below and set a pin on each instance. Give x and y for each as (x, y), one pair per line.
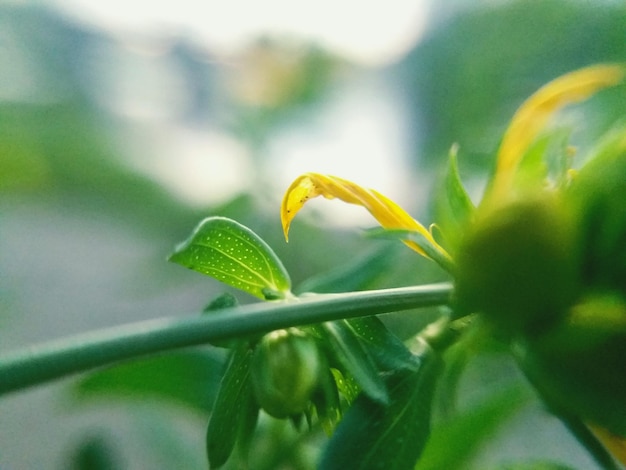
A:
(526, 125)
(533, 115)
(389, 214)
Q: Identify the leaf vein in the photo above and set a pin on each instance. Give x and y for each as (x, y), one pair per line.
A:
(239, 262)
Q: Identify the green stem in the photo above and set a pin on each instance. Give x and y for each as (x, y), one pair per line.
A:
(55, 359)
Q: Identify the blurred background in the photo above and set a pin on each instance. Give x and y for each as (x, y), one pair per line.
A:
(123, 124)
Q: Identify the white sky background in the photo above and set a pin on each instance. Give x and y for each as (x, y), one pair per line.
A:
(359, 137)
(373, 31)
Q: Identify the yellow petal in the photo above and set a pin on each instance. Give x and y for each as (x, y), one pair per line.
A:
(532, 116)
(616, 445)
(384, 210)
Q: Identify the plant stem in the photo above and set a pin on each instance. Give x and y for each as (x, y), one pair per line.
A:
(55, 359)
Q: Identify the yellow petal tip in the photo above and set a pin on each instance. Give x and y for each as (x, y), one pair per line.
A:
(532, 116)
(299, 192)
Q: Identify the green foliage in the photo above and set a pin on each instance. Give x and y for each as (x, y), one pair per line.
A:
(235, 255)
(456, 195)
(234, 411)
(598, 193)
(286, 372)
(517, 264)
(578, 365)
(468, 431)
(454, 208)
(464, 91)
(347, 351)
(374, 435)
(539, 276)
(187, 377)
(387, 351)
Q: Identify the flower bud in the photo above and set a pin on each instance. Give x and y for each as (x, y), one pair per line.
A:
(285, 370)
(517, 264)
(598, 193)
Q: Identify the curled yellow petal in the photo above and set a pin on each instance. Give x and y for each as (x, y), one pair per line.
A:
(384, 210)
(532, 116)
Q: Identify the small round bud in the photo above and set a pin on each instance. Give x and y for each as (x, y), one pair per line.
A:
(285, 372)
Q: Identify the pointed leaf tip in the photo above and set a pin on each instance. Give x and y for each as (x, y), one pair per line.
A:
(462, 207)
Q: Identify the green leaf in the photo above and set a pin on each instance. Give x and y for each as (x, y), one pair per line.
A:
(390, 436)
(348, 351)
(247, 425)
(388, 351)
(452, 205)
(231, 412)
(415, 236)
(598, 194)
(470, 430)
(326, 401)
(225, 300)
(532, 171)
(548, 159)
(578, 365)
(183, 377)
(461, 206)
(477, 339)
(357, 275)
(346, 385)
(235, 255)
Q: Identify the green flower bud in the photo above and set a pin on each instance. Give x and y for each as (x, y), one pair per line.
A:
(579, 365)
(598, 194)
(517, 265)
(285, 372)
